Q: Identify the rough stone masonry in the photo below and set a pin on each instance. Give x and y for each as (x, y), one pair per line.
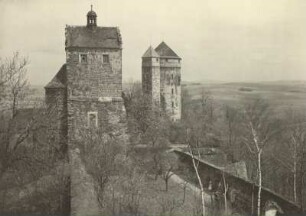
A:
(87, 91)
(161, 79)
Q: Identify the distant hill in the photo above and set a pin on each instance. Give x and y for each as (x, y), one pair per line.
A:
(280, 94)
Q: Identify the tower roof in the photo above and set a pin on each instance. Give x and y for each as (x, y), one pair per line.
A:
(150, 53)
(165, 51)
(91, 18)
(59, 80)
(91, 12)
(99, 37)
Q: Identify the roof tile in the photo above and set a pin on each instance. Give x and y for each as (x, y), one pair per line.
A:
(165, 51)
(59, 80)
(97, 37)
(150, 53)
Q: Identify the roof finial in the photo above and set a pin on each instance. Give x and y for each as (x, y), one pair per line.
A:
(91, 7)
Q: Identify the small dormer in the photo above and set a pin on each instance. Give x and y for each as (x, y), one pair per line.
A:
(91, 18)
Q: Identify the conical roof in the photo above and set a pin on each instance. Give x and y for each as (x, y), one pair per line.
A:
(164, 50)
(150, 53)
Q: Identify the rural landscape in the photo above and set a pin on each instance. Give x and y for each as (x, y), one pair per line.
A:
(143, 176)
(100, 116)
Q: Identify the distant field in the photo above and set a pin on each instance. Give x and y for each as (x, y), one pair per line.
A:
(281, 95)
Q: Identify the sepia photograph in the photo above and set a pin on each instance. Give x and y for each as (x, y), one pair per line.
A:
(153, 107)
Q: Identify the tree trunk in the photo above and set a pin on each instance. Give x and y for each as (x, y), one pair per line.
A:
(200, 182)
(225, 193)
(259, 184)
(294, 181)
(252, 200)
(166, 181)
(303, 193)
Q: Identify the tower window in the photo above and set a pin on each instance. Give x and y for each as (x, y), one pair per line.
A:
(172, 91)
(106, 59)
(92, 119)
(83, 58)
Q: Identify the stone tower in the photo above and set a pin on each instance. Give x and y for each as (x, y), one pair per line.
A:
(151, 75)
(161, 79)
(89, 84)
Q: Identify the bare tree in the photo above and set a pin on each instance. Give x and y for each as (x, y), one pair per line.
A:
(259, 130)
(225, 186)
(13, 84)
(291, 156)
(195, 164)
(99, 152)
(231, 125)
(168, 164)
(13, 81)
(199, 123)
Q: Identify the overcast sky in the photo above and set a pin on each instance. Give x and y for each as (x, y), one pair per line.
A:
(226, 40)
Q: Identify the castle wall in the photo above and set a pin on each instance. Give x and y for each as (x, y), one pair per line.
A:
(93, 87)
(151, 78)
(110, 117)
(94, 78)
(170, 79)
(56, 101)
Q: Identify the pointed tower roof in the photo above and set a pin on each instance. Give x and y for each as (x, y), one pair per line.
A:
(165, 51)
(150, 53)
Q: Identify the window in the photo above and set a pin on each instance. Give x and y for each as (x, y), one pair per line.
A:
(106, 59)
(172, 76)
(172, 104)
(83, 58)
(92, 119)
(172, 91)
(156, 59)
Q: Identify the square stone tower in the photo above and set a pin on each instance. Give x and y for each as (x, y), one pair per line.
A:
(89, 85)
(161, 79)
(151, 76)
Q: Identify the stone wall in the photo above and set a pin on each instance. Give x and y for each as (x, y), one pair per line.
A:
(93, 87)
(94, 78)
(83, 196)
(170, 80)
(241, 192)
(56, 101)
(110, 117)
(151, 79)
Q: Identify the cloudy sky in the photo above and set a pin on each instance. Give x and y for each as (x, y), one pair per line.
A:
(225, 40)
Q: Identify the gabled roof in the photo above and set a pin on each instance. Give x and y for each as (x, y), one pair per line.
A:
(150, 53)
(59, 80)
(97, 37)
(165, 51)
